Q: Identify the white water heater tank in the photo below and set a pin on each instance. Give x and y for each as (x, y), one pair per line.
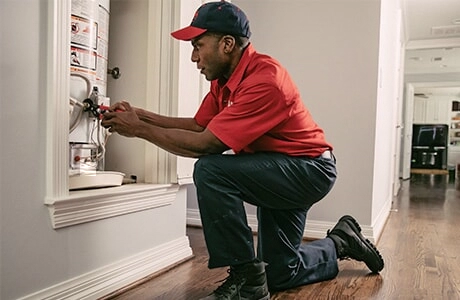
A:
(89, 40)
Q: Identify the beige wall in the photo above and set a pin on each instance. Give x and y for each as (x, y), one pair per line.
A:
(342, 55)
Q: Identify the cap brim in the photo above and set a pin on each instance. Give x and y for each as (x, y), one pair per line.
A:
(188, 33)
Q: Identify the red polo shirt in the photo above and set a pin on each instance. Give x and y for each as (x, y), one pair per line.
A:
(259, 109)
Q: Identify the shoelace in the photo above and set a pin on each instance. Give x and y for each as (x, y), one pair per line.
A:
(231, 284)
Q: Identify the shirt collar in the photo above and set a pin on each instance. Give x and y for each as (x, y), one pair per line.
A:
(238, 73)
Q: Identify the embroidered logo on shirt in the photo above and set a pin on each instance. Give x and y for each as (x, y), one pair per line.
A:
(227, 103)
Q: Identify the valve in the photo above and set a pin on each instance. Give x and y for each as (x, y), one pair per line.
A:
(115, 72)
(95, 109)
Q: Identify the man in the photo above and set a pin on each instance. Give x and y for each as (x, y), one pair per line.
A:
(282, 163)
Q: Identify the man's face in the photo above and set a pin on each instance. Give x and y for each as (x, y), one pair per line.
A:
(208, 54)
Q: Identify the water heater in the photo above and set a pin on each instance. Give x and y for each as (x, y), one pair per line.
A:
(89, 37)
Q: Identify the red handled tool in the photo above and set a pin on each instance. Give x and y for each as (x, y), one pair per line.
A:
(96, 109)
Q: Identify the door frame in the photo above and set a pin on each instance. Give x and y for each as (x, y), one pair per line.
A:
(408, 114)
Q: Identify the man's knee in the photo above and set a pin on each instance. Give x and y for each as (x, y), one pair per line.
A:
(206, 168)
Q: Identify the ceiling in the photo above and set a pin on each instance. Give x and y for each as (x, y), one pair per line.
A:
(422, 16)
(432, 30)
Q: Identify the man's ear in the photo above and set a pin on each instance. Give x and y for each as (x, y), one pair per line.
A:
(229, 43)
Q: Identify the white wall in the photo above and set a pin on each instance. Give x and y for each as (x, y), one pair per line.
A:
(389, 109)
(33, 256)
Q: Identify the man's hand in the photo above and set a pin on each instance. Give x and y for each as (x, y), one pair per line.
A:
(180, 136)
(122, 119)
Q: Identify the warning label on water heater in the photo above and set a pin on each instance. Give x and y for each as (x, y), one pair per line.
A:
(83, 32)
(89, 41)
(83, 58)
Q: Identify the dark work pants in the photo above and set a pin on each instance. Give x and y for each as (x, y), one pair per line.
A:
(283, 188)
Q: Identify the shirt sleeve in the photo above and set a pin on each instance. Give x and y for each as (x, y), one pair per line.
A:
(207, 110)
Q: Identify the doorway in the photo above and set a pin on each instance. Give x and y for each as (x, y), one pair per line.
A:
(431, 91)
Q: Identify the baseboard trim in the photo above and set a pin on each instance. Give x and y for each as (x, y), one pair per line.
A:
(105, 280)
(380, 220)
(313, 229)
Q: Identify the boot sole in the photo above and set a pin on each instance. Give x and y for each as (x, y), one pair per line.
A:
(357, 228)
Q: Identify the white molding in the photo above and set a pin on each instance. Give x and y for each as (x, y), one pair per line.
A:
(193, 217)
(110, 278)
(313, 229)
(58, 74)
(161, 91)
(318, 230)
(433, 43)
(185, 180)
(252, 222)
(90, 205)
(380, 220)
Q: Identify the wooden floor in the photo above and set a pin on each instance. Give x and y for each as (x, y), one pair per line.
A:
(420, 245)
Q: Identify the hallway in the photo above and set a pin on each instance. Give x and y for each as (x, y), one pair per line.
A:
(420, 245)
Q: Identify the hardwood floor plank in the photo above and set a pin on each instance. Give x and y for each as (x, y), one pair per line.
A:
(420, 244)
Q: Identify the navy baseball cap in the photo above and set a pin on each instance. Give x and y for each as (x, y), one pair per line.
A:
(221, 16)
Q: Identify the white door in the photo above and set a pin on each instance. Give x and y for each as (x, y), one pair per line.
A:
(399, 79)
(407, 130)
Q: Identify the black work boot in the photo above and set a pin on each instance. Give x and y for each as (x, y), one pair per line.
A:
(350, 243)
(245, 282)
